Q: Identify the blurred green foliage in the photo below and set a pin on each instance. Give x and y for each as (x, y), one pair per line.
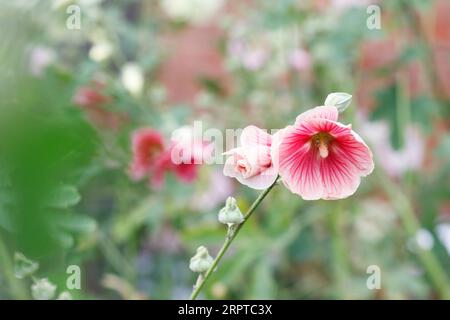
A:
(66, 197)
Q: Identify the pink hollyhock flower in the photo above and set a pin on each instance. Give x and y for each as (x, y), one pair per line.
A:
(147, 146)
(251, 163)
(320, 158)
(152, 158)
(91, 96)
(216, 191)
(93, 100)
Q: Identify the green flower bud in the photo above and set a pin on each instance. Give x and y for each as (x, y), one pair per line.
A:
(23, 266)
(340, 100)
(231, 214)
(43, 290)
(201, 261)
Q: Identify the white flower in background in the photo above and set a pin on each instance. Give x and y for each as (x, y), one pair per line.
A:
(195, 11)
(40, 58)
(346, 4)
(424, 239)
(443, 233)
(132, 78)
(65, 295)
(43, 290)
(58, 4)
(63, 4)
(395, 162)
(101, 51)
(87, 3)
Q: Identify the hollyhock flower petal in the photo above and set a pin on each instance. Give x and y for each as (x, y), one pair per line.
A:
(323, 112)
(330, 171)
(253, 135)
(186, 172)
(90, 97)
(261, 181)
(147, 145)
(251, 166)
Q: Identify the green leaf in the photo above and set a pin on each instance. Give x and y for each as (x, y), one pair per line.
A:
(386, 110)
(64, 197)
(76, 223)
(23, 266)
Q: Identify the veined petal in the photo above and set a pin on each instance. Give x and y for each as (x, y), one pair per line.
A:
(253, 135)
(322, 112)
(336, 176)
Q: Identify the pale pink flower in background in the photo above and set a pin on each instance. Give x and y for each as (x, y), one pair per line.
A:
(40, 58)
(395, 162)
(320, 158)
(218, 189)
(252, 58)
(251, 163)
(300, 59)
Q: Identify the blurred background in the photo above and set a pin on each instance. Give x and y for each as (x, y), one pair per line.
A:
(78, 78)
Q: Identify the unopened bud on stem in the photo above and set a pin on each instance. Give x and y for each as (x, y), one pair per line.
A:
(230, 214)
(340, 100)
(201, 261)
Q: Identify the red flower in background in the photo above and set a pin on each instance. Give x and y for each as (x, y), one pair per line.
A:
(93, 100)
(153, 158)
(147, 146)
(91, 96)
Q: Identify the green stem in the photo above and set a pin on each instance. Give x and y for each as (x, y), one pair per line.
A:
(436, 273)
(339, 250)
(229, 239)
(115, 258)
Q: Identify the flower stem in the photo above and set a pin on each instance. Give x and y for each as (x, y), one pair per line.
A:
(430, 262)
(228, 240)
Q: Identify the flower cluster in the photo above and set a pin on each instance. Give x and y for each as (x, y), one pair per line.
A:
(152, 157)
(317, 157)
